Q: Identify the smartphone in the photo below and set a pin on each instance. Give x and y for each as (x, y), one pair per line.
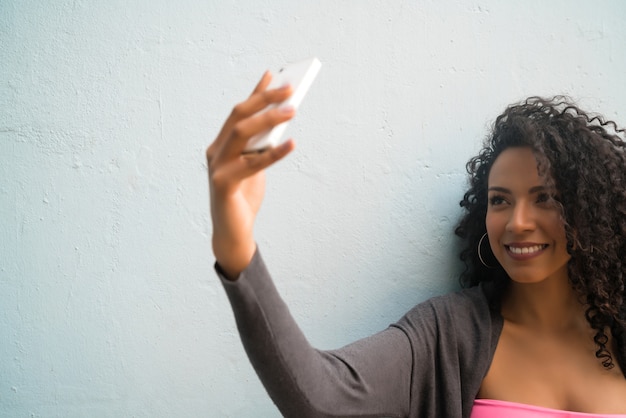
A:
(300, 76)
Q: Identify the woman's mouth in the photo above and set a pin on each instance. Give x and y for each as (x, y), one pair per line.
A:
(523, 251)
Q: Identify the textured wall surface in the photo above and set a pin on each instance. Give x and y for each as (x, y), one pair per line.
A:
(108, 303)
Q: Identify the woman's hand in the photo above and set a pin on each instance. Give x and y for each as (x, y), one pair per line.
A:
(236, 180)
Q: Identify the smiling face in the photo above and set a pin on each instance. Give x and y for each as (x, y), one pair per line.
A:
(524, 225)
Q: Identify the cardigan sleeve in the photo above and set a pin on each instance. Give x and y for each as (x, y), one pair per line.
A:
(368, 378)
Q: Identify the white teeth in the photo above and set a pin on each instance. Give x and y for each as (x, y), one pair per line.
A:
(526, 250)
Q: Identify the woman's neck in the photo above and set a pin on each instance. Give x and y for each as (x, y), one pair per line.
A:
(550, 305)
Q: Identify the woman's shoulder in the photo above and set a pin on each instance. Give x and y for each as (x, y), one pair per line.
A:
(452, 338)
(455, 312)
(458, 327)
(460, 302)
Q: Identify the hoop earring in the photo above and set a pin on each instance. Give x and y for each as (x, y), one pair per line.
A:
(480, 257)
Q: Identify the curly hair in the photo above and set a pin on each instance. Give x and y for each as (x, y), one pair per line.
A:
(583, 157)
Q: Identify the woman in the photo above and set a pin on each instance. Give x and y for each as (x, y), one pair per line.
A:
(539, 329)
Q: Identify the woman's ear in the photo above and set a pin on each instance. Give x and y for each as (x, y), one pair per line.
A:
(572, 240)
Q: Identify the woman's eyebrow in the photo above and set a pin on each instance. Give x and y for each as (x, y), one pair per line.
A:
(498, 189)
(534, 189)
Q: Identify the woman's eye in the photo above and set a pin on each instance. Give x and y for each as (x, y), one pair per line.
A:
(496, 200)
(544, 198)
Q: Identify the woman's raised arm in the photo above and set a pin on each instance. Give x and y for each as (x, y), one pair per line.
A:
(236, 180)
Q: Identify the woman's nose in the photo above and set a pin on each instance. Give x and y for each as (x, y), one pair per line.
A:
(522, 218)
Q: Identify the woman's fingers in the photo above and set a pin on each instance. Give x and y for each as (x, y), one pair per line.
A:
(260, 161)
(263, 83)
(243, 130)
(234, 115)
(246, 166)
(250, 108)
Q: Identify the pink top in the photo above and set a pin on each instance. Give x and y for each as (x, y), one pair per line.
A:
(489, 408)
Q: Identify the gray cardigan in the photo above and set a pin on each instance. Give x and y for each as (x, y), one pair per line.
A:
(429, 364)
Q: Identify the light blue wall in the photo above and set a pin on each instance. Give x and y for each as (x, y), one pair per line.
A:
(108, 303)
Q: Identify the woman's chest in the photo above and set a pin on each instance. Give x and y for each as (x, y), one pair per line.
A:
(556, 372)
